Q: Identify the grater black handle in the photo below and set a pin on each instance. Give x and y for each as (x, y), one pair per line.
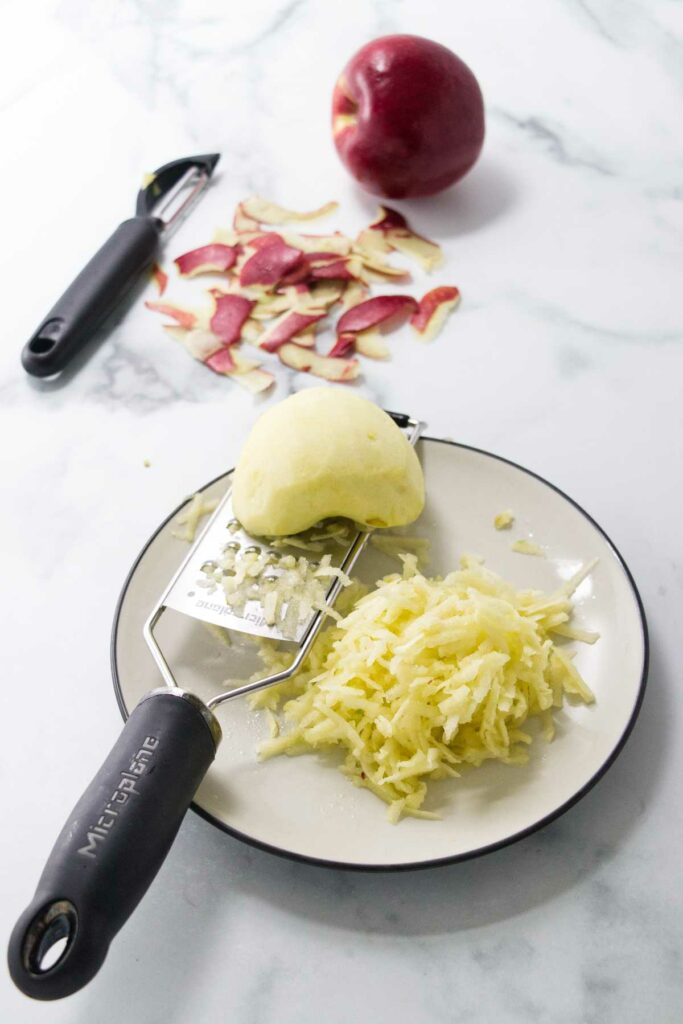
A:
(89, 299)
(113, 843)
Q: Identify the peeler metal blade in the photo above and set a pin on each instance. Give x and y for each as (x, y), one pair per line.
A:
(165, 199)
(169, 193)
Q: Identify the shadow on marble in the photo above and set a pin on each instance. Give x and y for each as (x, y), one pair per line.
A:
(480, 199)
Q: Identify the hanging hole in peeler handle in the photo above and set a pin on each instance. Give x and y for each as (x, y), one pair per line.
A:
(40, 345)
(46, 337)
(49, 937)
(90, 298)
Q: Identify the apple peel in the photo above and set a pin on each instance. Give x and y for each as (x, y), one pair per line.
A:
(230, 314)
(337, 242)
(230, 361)
(279, 285)
(306, 361)
(226, 236)
(185, 317)
(271, 304)
(306, 339)
(433, 310)
(245, 372)
(373, 269)
(371, 256)
(344, 345)
(255, 381)
(346, 268)
(355, 292)
(251, 331)
(221, 362)
(208, 259)
(400, 236)
(322, 295)
(241, 220)
(175, 332)
(295, 297)
(371, 344)
(379, 310)
(264, 212)
(372, 241)
(201, 344)
(264, 238)
(287, 327)
(160, 278)
(270, 263)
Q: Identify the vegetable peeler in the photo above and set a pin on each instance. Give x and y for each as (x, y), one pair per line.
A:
(164, 200)
(120, 831)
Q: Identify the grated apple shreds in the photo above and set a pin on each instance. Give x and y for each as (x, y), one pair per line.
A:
(423, 678)
(289, 589)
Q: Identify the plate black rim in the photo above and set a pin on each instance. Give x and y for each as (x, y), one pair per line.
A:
(437, 861)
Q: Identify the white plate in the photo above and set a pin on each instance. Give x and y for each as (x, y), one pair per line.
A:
(303, 807)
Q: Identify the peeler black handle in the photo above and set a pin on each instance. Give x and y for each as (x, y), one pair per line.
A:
(101, 284)
(113, 843)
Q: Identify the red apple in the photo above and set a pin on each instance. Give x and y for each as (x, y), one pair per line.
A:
(407, 117)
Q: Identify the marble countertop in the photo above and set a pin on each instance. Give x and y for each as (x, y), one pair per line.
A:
(566, 356)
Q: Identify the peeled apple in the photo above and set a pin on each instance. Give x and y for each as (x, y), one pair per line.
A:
(326, 452)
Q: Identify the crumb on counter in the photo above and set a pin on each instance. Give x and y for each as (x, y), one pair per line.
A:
(527, 547)
(395, 545)
(504, 519)
(273, 724)
(192, 515)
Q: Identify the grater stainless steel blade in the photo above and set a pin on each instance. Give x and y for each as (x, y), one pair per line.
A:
(189, 594)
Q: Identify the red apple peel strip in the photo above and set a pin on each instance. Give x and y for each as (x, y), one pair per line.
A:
(400, 236)
(304, 360)
(345, 345)
(229, 360)
(213, 258)
(433, 311)
(245, 372)
(347, 268)
(287, 328)
(160, 278)
(230, 313)
(378, 310)
(185, 317)
(270, 263)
